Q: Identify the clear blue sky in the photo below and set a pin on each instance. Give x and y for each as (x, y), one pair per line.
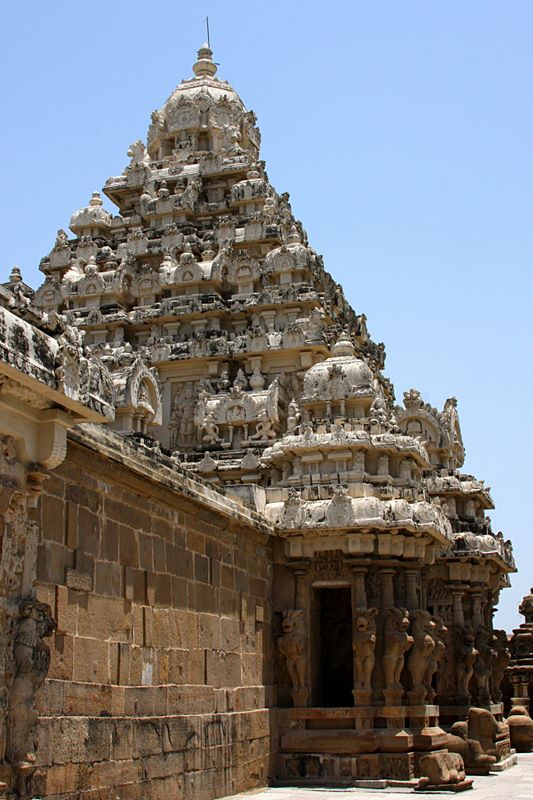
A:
(403, 132)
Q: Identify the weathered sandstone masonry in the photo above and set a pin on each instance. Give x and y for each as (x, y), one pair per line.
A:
(47, 385)
(160, 587)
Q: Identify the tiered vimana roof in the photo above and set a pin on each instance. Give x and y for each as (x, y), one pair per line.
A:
(205, 275)
(232, 346)
(218, 322)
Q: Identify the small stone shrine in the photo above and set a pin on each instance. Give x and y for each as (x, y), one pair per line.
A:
(520, 667)
(338, 600)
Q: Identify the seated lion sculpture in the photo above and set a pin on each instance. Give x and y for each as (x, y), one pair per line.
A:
(441, 768)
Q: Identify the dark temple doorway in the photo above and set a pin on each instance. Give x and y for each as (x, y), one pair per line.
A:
(336, 659)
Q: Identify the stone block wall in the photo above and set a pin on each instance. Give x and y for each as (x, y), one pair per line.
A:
(161, 662)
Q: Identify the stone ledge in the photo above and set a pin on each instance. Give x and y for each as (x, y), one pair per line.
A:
(117, 448)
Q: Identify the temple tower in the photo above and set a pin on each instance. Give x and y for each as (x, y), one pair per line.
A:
(234, 353)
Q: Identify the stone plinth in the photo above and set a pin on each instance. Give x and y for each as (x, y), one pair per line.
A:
(355, 743)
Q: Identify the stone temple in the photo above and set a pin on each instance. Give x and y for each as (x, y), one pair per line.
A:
(228, 556)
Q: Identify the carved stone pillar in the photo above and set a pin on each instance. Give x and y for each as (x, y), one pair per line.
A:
(387, 588)
(458, 613)
(520, 684)
(477, 611)
(364, 638)
(295, 643)
(359, 599)
(300, 588)
(411, 586)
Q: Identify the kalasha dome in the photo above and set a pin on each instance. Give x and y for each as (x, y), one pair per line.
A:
(229, 555)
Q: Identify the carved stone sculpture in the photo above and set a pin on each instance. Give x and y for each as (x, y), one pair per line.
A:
(364, 645)
(182, 427)
(422, 629)
(484, 728)
(500, 662)
(396, 643)
(440, 637)
(292, 645)
(210, 430)
(31, 659)
(293, 417)
(476, 761)
(264, 430)
(441, 769)
(483, 665)
(466, 655)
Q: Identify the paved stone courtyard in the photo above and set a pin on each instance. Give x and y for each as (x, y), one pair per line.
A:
(513, 784)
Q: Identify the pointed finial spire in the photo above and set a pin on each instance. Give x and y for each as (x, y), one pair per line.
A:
(95, 200)
(343, 346)
(16, 275)
(205, 66)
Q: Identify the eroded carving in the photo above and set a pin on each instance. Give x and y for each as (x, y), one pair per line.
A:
(397, 642)
(292, 644)
(31, 661)
(364, 644)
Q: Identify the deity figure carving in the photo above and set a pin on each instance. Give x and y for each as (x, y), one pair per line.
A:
(71, 370)
(466, 656)
(292, 645)
(500, 663)
(190, 195)
(294, 416)
(241, 381)
(210, 430)
(396, 643)
(32, 660)
(61, 240)
(364, 645)
(264, 430)
(223, 383)
(182, 427)
(422, 629)
(483, 666)
(378, 411)
(293, 512)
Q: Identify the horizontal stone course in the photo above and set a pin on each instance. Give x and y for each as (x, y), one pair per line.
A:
(156, 681)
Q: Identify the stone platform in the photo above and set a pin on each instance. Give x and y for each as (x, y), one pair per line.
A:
(355, 746)
(513, 784)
